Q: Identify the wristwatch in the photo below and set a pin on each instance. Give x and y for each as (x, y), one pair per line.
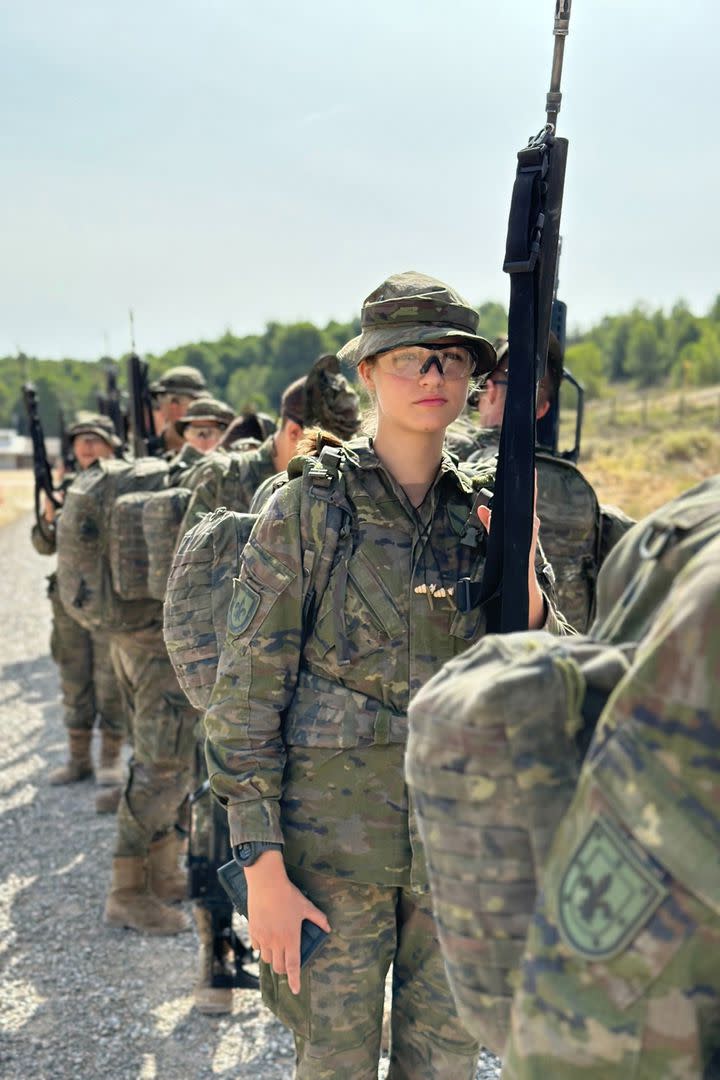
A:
(247, 854)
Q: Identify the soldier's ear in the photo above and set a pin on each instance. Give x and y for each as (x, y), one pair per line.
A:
(365, 371)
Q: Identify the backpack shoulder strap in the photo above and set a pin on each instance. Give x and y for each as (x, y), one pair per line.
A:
(324, 522)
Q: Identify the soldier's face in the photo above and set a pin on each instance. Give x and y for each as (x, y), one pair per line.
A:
(203, 436)
(88, 448)
(173, 407)
(428, 401)
(491, 402)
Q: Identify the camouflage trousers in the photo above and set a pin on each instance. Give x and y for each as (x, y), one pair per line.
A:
(337, 1017)
(162, 725)
(650, 1008)
(89, 688)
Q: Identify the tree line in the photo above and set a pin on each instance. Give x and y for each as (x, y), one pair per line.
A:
(642, 347)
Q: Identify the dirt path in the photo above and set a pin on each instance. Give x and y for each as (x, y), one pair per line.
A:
(78, 1000)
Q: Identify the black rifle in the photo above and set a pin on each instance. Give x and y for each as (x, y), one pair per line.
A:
(66, 448)
(531, 260)
(548, 427)
(145, 440)
(206, 855)
(41, 465)
(110, 404)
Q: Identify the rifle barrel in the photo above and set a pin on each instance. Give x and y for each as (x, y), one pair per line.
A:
(560, 30)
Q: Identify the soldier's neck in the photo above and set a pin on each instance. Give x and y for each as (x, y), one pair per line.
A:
(411, 457)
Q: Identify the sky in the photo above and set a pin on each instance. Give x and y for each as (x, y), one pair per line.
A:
(215, 165)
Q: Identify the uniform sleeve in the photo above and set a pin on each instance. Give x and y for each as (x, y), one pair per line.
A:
(257, 674)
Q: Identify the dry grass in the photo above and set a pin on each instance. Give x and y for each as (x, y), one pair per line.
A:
(16, 494)
(638, 458)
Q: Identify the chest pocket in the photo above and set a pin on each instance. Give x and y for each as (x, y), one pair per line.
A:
(359, 615)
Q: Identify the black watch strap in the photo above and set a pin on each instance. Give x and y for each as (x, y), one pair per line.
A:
(247, 854)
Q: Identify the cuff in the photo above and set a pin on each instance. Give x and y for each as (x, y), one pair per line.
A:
(258, 820)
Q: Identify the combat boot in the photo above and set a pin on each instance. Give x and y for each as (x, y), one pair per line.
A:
(208, 999)
(131, 905)
(107, 800)
(109, 771)
(166, 879)
(79, 764)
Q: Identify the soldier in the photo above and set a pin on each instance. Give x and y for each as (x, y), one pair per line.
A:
(89, 688)
(619, 976)
(307, 722)
(172, 394)
(323, 397)
(204, 423)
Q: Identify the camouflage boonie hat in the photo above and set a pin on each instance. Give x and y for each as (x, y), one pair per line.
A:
(207, 410)
(88, 423)
(330, 401)
(413, 309)
(180, 380)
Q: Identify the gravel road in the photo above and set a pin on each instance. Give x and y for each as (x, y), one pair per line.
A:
(79, 1000)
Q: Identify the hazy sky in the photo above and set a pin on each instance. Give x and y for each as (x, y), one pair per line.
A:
(219, 163)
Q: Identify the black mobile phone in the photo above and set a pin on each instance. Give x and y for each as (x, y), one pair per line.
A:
(232, 879)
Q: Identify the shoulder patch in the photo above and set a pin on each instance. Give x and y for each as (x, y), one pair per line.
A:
(607, 893)
(245, 602)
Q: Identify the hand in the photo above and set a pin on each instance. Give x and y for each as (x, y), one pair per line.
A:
(536, 614)
(276, 909)
(48, 510)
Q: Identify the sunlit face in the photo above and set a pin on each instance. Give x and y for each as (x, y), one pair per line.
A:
(87, 448)
(204, 435)
(491, 401)
(173, 407)
(419, 388)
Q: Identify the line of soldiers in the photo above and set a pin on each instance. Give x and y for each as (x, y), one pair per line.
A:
(153, 814)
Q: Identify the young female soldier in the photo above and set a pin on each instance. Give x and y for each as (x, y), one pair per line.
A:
(307, 723)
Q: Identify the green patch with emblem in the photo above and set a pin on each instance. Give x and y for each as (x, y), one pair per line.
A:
(245, 602)
(607, 893)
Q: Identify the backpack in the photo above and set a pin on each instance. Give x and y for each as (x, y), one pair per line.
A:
(102, 555)
(162, 516)
(207, 561)
(570, 532)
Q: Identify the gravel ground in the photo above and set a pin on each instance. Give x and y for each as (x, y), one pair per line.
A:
(79, 1000)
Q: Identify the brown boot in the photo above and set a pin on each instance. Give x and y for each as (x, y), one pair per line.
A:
(79, 764)
(208, 999)
(166, 880)
(109, 772)
(131, 905)
(107, 800)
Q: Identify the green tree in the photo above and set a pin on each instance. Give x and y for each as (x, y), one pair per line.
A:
(585, 361)
(644, 358)
(493, 320)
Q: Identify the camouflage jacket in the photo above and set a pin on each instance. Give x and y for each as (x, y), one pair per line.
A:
(307, 725)
(227, 479)
(465, 439)
(621, 975)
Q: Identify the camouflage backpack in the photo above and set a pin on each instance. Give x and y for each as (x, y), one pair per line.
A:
(570, 530)
(162, 516)
(102, 555)
(200, 584)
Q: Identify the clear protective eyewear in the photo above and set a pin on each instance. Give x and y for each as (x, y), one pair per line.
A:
(452, 361)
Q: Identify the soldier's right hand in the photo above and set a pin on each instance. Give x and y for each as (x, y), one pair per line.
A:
(276, 909)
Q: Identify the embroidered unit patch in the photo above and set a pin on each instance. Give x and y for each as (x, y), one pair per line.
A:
(245, 602)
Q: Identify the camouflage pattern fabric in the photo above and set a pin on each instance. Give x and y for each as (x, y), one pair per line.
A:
(87, 680)
(621, 976)
(577, 533)
(331, 716)
(492, 762)
(163, 728)
(227, 479)
(337, 1017)
(468, 442)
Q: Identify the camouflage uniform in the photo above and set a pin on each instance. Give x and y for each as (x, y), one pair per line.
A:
(611, 977)
(228, 479)
(621, 976)
(577, 532)
(87, 681)
(306, 745)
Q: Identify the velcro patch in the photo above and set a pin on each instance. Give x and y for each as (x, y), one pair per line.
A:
(245, 602)
(607, 893)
